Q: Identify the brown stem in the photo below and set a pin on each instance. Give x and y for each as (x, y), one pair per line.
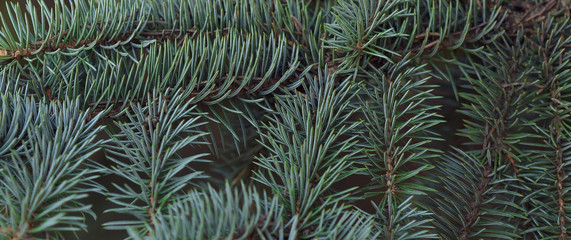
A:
(549, 6)
(474, 212)
(553, 85)
(151, 212)
(561, 175)
(524, 17)
(159, 34)
(512, 161)
(430, 34)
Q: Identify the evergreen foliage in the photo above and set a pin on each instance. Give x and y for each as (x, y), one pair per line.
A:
(272, 119)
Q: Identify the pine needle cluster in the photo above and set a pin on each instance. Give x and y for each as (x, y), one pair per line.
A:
(273, 119)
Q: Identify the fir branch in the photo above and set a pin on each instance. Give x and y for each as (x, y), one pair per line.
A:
(553, 95)
(240, 213)
(142, 23)
(557, 125)
(474, 211)
(471, 202)
(46, 176)
(500, 108)
(499, 105)
(303, 176)
(395, 137)
(197, 65)
(358, 28)
(71, 28)
(229, 73)
(150, 145)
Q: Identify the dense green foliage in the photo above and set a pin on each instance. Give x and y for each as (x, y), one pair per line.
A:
(271, 119)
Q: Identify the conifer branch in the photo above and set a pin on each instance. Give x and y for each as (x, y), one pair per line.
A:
(151, 145)
(316, 160)
(552, 70)
(328, 105)
(46, 173)
(474, 212)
